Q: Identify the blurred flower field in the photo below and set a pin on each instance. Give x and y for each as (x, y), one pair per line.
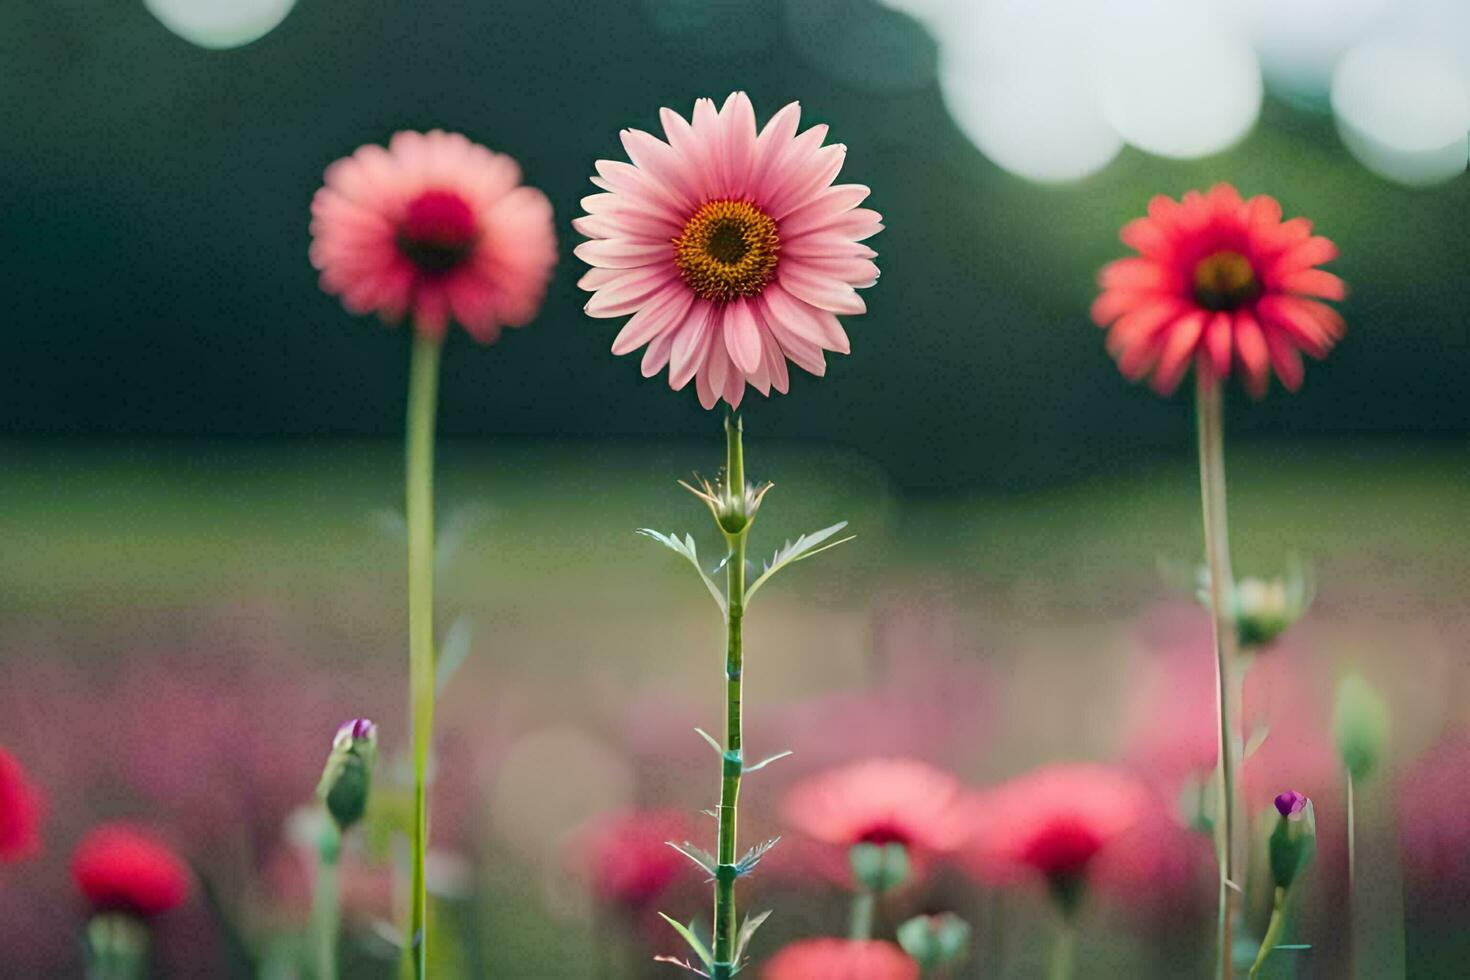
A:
(183, 627)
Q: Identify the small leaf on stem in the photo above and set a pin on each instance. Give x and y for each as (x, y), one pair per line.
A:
(697, 854)
(794, 551)
(700, 949)
(690, 553)
(767, 761)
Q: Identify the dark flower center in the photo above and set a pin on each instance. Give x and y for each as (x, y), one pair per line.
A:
(1225, 280)
(438, 232)
(727, 249)
(885, 833)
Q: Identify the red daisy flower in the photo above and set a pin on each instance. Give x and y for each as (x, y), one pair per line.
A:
(628, 858)
(1052, 822)
(841, 959)
(882, 801)
(121, 868)
(21, 808)
(1222, 283)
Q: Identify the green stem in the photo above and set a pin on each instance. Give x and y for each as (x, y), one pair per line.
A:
(423, 384)
(1210, 414)
(326, 909)
(861, 923)
(733, 763)
(1273, 932)
(1352, 862)
(1064, 951)
(117, 947)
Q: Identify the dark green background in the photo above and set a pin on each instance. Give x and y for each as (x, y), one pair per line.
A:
(153, 213)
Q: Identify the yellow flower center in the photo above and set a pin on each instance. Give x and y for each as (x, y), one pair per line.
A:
(1225, 281)
(727, 249)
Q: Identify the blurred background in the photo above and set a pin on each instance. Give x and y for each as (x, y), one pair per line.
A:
(201, 568)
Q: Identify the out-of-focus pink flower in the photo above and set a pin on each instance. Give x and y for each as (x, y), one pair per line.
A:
(882, 801)
(1434, 830)
(21, 809)
(1221, 283)
(435, 227)
(1160, 870)
(122, 868)
(731, 248)
(1052, 822)
(840, 959)
(627, 858)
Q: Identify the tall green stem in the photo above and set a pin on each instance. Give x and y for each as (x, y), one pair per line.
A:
(860, 925)
(326, 909)
(1211, 428)
(423, 390)
(1064, 951)
(733, 762)
(1273, 932)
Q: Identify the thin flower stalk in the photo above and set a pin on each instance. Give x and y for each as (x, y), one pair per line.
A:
(732, 762)
(326, 903)
(423, 388)
(1211, 430)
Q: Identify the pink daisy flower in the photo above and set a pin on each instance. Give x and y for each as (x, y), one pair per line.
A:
(1221, 283)
(883, 801)
(433, 227)
(731, 248)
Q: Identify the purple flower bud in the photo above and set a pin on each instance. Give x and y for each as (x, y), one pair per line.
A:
(1291, 803)
(356, 730)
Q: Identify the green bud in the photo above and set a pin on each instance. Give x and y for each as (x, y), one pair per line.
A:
(1294, 840)
(879, 867)
(348, 776)
(1360, 725)
(934, 941)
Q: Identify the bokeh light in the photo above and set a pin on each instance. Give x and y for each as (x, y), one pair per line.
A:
(1403, 111)
(1016, 79)
(1300, 43)
(1176, 77)
(220, 23)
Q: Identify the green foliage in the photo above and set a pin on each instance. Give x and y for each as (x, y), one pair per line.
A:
(1360, 725)
(690, 553)
(794, 551)
(695, 943)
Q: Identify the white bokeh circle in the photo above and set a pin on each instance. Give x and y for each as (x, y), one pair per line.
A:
(220, 23)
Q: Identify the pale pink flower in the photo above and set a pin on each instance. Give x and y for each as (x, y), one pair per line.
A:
(433, 227)
(731, 248)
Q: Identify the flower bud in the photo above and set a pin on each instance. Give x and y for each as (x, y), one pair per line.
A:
(1360, 725)
(1265, 608)
(879, 867)
(1294, 840)
(347, 778)
(934, 941)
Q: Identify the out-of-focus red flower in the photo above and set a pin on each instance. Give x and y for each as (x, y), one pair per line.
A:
(627, 858)
(1222, 284)
(1434, 831)
(21, 808)
(1160, 870)
(882, 801)
(1052, 822)
(841, 959)
(122, 868)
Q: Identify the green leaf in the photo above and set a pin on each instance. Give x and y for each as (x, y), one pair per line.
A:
(1294, 946)
(452, 653)
(711, 740)
(747, 930)
(687, 549)
(753, 856)
(794, 551)
(699, 948)
(768, 760)
(697, 854)
(681, 963)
